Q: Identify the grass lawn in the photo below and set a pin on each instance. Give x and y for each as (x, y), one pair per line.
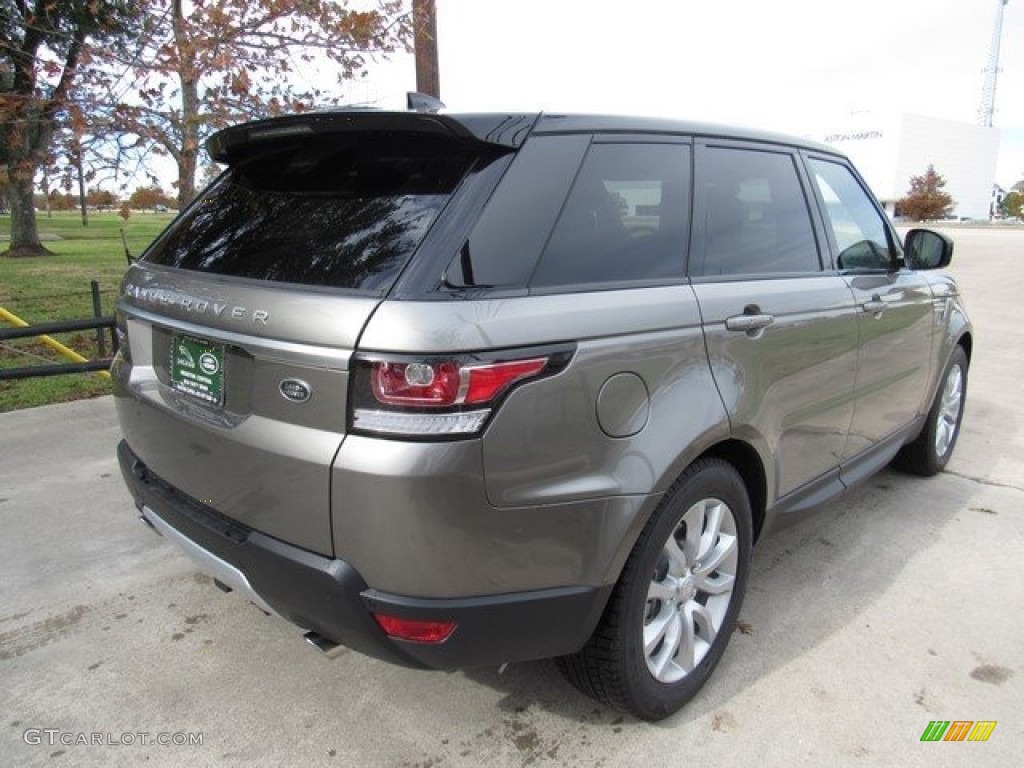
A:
(56, 287)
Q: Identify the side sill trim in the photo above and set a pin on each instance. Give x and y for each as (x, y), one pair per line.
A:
(797, 505)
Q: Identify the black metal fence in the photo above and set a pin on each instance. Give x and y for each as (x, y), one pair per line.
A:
(103, 326)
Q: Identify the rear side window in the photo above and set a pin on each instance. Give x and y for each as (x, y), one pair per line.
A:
(755, 215)
(344, 210)
(502, 250)
(857, 226)
(626, 218)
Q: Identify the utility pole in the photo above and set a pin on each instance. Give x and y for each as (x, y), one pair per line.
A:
(424, 16)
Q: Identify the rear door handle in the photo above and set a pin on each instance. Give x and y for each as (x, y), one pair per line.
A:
(748, 323)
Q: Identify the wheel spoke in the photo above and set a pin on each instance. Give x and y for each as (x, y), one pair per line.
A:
(686, 658)
(698, 615)
(674, 632)
(949, 410)
(709, 563)
(716, 585)
(712, 527)
(678, 562)
(951, 401)
(655, 631)
(694, 520)
(943, 435)
(661, 590)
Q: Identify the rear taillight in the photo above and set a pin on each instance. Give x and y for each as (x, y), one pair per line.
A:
(424, 384)
(440, 396)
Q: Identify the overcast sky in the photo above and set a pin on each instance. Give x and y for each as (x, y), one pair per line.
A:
(797, 66)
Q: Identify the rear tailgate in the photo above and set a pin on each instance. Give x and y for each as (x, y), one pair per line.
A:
(242, 445)
(241, 318)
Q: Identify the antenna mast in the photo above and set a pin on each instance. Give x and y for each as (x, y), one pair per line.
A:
(988, 91)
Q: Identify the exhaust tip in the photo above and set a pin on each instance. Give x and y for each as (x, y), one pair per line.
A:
(327, 647)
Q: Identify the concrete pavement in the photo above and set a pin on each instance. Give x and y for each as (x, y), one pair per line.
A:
(898, 605)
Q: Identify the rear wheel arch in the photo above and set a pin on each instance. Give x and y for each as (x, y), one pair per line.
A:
(747, 462)
(743, 457)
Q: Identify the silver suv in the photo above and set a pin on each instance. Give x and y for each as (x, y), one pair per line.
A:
(456, 390)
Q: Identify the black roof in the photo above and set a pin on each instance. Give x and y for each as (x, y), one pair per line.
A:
(582, 123)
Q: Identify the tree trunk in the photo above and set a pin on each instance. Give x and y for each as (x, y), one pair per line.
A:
(46, 190)
(189, 157)
(187, 177)
(24, 232)
(28, 141)
(81, 187)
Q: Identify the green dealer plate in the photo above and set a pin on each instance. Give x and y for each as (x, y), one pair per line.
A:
(197, 369)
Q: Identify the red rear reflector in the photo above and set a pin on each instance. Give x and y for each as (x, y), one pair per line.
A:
(417, 630)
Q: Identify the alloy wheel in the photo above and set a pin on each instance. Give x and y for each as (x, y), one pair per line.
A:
(690, 590)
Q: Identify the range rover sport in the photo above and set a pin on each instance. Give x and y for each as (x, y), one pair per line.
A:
(456, 390)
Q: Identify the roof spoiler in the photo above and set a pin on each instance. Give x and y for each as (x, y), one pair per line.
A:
(495, 131)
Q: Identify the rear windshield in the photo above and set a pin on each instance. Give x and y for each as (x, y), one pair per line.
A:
(343, 210)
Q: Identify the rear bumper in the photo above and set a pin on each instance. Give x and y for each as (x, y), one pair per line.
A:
(329, 597)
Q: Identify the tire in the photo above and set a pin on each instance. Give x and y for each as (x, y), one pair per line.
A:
(684, 609)
(929, 453)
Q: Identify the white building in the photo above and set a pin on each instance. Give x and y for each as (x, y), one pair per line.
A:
(889, 149)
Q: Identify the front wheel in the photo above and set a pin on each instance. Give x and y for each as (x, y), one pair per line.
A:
(930, 452)
(669, 617)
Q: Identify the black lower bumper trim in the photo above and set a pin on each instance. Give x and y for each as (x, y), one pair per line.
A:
(494, 629)
(328, 596)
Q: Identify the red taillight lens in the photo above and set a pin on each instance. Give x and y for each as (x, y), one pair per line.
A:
(417, 630)
(486, 382)
(416, 383)
(448, 383)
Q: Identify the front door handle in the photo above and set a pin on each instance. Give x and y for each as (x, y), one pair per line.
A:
(876, 306)
(748, 323)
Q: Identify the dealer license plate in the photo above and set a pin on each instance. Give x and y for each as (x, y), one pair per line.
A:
(197, 369)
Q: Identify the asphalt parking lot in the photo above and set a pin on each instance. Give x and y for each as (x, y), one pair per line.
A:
(898, 605)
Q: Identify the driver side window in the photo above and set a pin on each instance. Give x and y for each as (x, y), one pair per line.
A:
(861, 237)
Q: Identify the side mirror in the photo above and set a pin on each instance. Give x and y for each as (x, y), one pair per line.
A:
(926, 249)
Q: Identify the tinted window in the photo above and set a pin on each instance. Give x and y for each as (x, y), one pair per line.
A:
(755, 215)
(857, 227)
(512, 230)
(344, 211)
(626, 218)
